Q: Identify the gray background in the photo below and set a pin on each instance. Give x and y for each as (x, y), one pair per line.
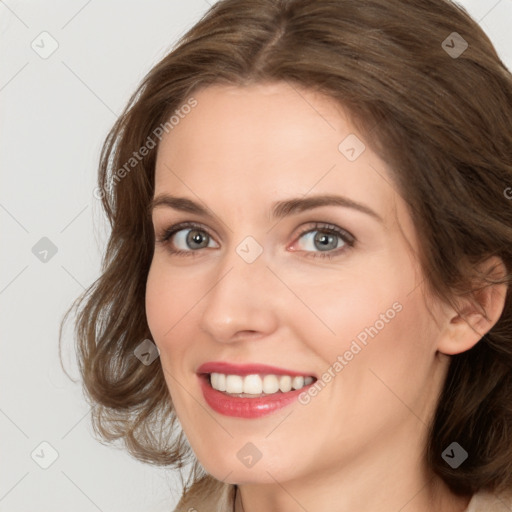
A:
(55, 113)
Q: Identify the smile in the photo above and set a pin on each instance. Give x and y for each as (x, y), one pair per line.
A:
(249, 405)
(252, 386)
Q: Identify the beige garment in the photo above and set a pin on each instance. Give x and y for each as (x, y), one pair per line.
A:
(484, 501)
(208, 495)
(216, 496)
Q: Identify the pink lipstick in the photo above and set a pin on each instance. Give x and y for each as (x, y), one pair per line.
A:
(244, 406)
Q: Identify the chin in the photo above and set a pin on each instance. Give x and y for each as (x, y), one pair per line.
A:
(235, 471)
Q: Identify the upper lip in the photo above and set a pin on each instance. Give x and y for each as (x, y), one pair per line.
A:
(247, 369)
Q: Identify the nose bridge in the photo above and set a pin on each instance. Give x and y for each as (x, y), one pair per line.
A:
(240, 298)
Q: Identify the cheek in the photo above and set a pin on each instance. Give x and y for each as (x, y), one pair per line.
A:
(376, 317)
(156, 302)
(354, 309)
(163, 313)
(168, 298)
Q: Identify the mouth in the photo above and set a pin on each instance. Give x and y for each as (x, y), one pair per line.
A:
(256, 385)
(251, 395)
(250, 390)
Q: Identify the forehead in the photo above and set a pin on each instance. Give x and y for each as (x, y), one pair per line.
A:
(255, 144)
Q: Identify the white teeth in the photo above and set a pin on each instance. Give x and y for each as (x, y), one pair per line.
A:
(297, 382)
(257, 384)
(221, 382)
(252, 385)
(234, 384)
(218, 381)
(285, 383)
(270, 384)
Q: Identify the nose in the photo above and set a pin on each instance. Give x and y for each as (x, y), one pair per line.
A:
(243, 300)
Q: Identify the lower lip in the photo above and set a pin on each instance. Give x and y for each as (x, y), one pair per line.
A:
(246, 407)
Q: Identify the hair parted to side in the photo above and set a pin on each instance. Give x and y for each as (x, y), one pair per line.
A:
(442, 124)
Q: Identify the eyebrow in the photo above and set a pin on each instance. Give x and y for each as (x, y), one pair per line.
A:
(279, 210)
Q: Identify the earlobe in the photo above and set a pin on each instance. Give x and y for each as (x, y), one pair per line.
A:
(466, 327)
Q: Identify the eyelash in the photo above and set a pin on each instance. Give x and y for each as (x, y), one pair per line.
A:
(347, 238)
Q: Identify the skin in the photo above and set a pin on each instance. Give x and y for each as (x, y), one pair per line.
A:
(358, 444)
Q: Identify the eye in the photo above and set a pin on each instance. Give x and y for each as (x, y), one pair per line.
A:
(191, 237)
(325, 238)
(187, 235)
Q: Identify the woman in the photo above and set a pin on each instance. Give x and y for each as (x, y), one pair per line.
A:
(376, 376)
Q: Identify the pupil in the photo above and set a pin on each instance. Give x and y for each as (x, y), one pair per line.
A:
(324, 239)
(196, 237)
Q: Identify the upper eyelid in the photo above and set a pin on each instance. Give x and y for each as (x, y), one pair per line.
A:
(179, 226)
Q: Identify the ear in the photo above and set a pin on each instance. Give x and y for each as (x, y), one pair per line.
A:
(463, 330)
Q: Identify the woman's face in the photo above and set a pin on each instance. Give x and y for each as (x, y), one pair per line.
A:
(332, 292)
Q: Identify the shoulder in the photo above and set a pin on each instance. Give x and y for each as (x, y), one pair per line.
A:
(207, 495)
(486, 501)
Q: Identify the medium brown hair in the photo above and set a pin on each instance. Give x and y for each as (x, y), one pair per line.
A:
(442, 122)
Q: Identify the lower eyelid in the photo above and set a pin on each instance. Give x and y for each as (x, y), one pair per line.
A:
(330, 254)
